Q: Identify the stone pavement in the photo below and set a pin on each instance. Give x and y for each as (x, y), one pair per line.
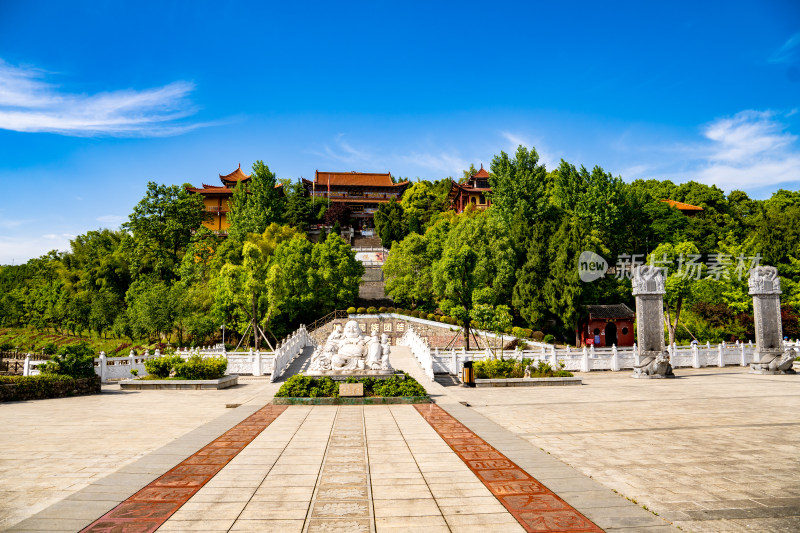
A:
(718, 439)
(714, 450)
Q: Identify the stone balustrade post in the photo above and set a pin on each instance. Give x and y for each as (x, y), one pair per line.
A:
(554, 362)
(614, 358)
(101, 367)
(592, 352)
(585, 360)
(636, 361)
(26, 366)
(257, 364)
(695, 356)
(743, 356)
(721, 353)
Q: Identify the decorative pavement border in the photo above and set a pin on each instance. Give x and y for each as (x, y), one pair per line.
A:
(536, 508)
(148, 509)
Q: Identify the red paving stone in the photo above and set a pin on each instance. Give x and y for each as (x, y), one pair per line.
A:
(535, 507)
(149, 508)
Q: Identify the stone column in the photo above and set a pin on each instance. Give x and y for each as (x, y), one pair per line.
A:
(765, 288)
(649, 290)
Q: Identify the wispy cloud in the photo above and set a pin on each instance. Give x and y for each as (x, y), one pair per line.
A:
(788, 51)
(750, 149)
(435, 160)
(545, 156)
(29, 103)
(113, 220)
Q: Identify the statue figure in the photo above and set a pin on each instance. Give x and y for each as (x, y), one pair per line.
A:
(348, 350)
(657, 365)
(764, 280)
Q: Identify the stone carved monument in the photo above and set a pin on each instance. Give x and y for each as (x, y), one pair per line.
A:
(765, 288)
(349, 352)
(649, 290)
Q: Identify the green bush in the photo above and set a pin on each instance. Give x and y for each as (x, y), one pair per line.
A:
(431, 316)
(6, 346)
(510, 368)
(351, 310)
(74, 360)
(300, 386)
(22, 388)
(361, 310)
(197, 367)
(161, 367)
(50, 348)
(518, 332)
(548, 339)
(537, 335)
(391, 309)
(371, 310)
(381, 309)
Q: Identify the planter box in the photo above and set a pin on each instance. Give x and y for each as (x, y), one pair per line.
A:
(12, 392)
(527, 382)
(179, 384)
(367, 400)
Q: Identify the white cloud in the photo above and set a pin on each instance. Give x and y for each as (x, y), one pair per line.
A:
(750, 149)
(17, 250)
(545, 156)
(28, 103)
(786, 53)
(112, 220)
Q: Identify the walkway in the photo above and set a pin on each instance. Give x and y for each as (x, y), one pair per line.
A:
(513, 460)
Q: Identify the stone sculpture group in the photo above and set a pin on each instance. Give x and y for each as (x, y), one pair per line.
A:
(349, 351)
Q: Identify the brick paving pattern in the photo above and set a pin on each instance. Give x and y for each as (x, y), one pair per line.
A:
(535, 506)
(149, 508)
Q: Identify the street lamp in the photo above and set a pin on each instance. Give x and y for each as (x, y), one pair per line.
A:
(223, 336)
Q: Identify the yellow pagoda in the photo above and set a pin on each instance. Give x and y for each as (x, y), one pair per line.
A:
(216, 199)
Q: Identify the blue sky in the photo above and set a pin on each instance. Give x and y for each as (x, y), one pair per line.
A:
(98, 98)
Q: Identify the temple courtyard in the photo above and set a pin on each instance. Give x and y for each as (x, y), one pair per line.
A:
(713, 450)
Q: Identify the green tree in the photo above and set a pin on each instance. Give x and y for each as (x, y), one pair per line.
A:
(408, 273)
(161, 226)
(389, 221)
(300, 212)
(520, 186)
(335, 274)
(682, 278)
(256, 204)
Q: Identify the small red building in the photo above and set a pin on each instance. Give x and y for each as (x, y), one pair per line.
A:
(606, 325)
(474, 191)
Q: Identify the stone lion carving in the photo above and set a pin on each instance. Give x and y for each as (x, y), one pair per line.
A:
(657, 365)
(348, 350)
(776, 363)
(764, 280)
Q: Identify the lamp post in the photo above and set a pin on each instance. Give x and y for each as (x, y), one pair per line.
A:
(223, 336)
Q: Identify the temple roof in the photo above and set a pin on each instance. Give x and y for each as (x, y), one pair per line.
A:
(610, 311)
(235, 176)
(362, 179)
(682, 206)
(481, 173)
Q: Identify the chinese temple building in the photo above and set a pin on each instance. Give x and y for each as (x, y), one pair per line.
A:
(216, 199)
(363, 192)
(606, 325)
(687, 209)
(474, 192)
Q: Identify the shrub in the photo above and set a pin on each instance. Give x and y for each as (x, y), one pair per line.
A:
(74, 360)
(381, 309)
(518, 332)
(6, 346)
(22, 388)
(500, 369)
(391, 309)
(351, 310)
(414, 313)
(431, 316)
(300, 386)
(361, 310)
(197, 367)
(371, 310)
(50, 348)
(549, 338)
(161, 367)
(535, 335)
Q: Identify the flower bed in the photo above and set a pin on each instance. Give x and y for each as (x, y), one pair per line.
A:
(511, 368)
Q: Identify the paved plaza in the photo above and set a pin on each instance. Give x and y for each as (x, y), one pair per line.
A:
(713, 450)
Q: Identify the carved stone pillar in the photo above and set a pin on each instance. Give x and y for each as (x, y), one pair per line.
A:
(765, 288)
(649, 290)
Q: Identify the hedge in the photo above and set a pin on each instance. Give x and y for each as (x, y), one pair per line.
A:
(23, 388)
